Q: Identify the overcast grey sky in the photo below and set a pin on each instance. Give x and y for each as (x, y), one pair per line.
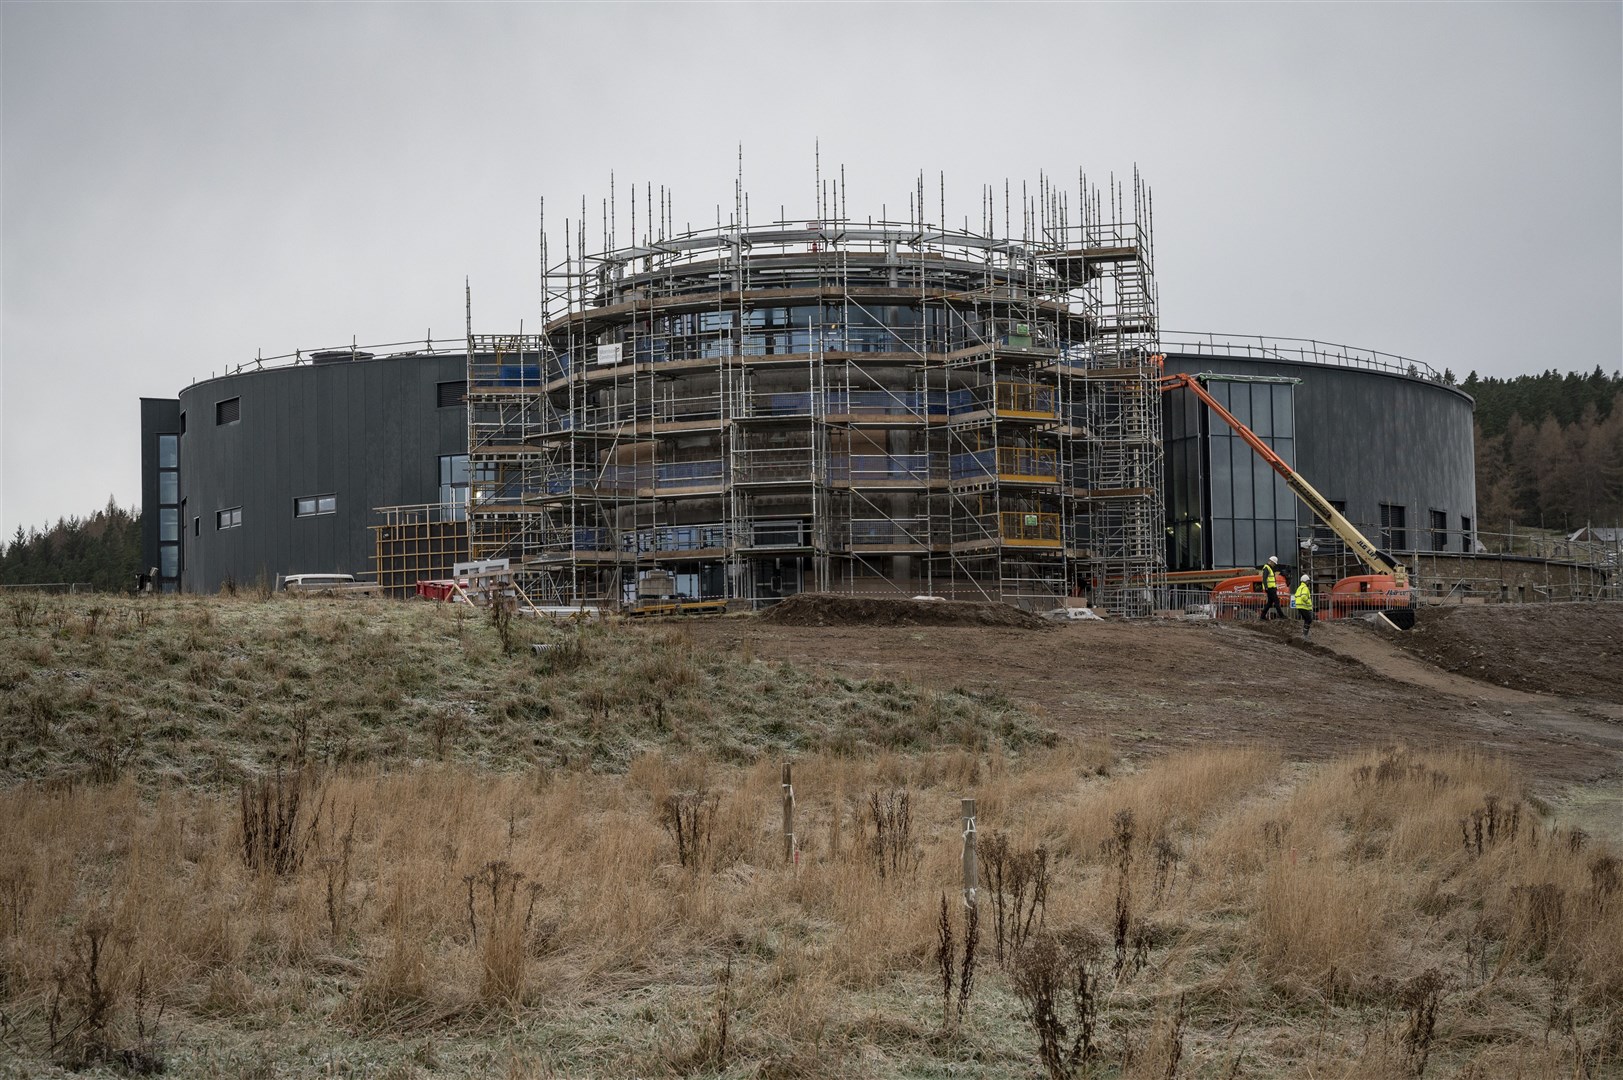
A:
(185, 184)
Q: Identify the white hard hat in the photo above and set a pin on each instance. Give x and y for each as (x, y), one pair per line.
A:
(1304, 579)
(1274, 559)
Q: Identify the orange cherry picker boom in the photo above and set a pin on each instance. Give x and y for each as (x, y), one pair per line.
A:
(1386, 590)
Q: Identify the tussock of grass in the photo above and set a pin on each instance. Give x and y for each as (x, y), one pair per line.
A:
(1295, 918)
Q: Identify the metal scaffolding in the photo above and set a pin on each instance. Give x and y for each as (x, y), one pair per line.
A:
(832, 405)
(418, 542)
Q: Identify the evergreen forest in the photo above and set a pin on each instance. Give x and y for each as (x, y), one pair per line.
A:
(102, 550)
(1549, 450)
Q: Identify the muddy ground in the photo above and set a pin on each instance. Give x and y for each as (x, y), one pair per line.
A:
(1574, 650)
(1542, 686)
(823, 609)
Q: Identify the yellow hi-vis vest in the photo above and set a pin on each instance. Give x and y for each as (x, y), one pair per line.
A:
(1268, 577)
(1303, 600)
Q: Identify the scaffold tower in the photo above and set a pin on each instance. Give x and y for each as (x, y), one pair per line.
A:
(826, 404)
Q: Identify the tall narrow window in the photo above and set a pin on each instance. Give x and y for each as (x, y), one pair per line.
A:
(1466, 536)
(1439, 530)
(169, 511)
(1394, 527)
(454, 486)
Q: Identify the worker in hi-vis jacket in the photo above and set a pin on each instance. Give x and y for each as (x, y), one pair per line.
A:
(1270, 588)
(1303, 603)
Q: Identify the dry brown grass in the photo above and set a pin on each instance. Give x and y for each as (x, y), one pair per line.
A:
(491, 887)
(1279, 916)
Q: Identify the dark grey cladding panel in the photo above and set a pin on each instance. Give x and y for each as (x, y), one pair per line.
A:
(366, 431)
(1366, 437)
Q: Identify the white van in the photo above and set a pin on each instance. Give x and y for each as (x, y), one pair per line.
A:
(314, 582)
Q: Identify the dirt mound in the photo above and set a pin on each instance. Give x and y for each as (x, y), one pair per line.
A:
(824, 609)
(1575, 650)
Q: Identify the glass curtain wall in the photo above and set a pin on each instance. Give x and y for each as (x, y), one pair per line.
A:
(1252, 513)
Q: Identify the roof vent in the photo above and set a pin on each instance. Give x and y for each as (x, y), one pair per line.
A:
(338, 356)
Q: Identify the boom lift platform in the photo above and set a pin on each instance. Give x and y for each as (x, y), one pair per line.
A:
(1385, 591)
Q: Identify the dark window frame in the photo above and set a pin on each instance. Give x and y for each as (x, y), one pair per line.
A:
(227, 411)
(455, 494)
(1395, 526)
(305, 506)
(228, 518)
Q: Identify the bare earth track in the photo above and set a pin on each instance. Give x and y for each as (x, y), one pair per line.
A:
(1543, 687)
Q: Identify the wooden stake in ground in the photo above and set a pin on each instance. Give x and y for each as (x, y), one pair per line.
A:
(971, 870)
(788, 814)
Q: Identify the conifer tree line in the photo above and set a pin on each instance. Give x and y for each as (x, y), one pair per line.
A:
(102, 550)
(1549, 450)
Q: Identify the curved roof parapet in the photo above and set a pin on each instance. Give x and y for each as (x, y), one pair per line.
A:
(343, 353)
(1296, 350)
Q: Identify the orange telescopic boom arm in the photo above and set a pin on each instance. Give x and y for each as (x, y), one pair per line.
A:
(1374, 557)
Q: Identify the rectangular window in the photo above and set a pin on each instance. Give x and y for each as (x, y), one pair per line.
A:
(168, 524)
(197, 525)
(1465, 534)
(1284, 417)
(1439, 530)
(168, 487)
(1394, 527)
(453, 468)
(315, 505)
(452, 394)
(169, 560)
(454, 486)
(1262, 411)
(183, 423)
(228, 519)
(228, 411)
(168, 451)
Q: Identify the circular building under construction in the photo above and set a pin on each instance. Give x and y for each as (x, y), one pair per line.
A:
(748, 412)
(727, 416)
